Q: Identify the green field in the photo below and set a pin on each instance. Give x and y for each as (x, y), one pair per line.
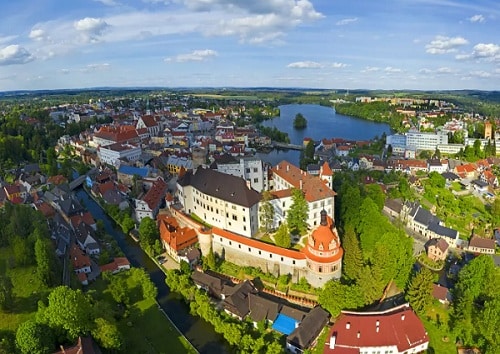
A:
(435, 323)
(224, 97)
(146, 329)
(27, 291)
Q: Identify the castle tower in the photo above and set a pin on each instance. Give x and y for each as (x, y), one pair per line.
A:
(323, 252)
(488, 130)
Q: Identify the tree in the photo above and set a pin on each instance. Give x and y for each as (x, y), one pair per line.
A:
(22, 250)
(266, 211)
(69, 312)
(149, 233)
(298, 212)
(210, 259)
(107, 334)
(34, 338)
(374, 191)
(282, 236)
(419, 293)
(118, 289)
(127, 224)
(300, 121)
(336, 296)
(44, 261)
(353, 257)
(6, 295)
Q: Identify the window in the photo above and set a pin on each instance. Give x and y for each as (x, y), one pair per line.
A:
(220, 239)
(235, 218)
(244, 228)
(244, 219)
(249, 249)
(270, 255)
(239, 246)
(260, 252)
(230, 243)
(247, 170)
(255, 180)
(293, 262)
(282, 259)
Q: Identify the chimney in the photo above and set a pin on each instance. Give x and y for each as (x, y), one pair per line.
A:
(403, 317)
(377, 323)
(377, 329)
(249, 184)
(300, 184)
(359, 334)
(348, 325)
(287, 168)
(332, 341)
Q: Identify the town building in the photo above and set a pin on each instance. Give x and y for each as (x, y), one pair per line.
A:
(150, 203)
(481, 245)
(112, 154)
(175, 238)
(251, 169)
(437, 249)
(397, 330)
(221, 200)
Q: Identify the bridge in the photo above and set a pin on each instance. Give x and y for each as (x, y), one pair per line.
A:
(77, 182)
(287, 146)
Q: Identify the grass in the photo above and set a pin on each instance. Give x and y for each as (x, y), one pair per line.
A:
(146, 329)
(28, 290)
(456, 186)
(266, 238)
(319, 347)
(435, 323)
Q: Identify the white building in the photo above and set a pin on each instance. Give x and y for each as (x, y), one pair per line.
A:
(317, 191)
(426, 141)
(111, 154)
(251, 169)
(220, 200)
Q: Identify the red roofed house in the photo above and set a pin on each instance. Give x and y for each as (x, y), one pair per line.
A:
(175, 238)
(437, 249)
(123, 134)
(466, 171)
(81, 262)
(151, 202)
(119, 264)
(150, 123)
(482, 245)
(488, 177)
(397, 330)
(317, 191)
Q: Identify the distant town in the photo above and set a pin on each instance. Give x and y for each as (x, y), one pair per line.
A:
(387, 245)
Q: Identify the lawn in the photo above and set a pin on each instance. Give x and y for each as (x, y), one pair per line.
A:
(146, 329)
(435, 323)
(27, 291)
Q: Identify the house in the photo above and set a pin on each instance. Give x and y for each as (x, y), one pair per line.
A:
(466, 171)
(437, 249)
(480, 186)
(397, 330)
(214, 286)
(481, 245)
(85, 238)
(112, 154)
(422, 221)
(126, 174)
(437, 165)
(307, 331)
(262, 309)
(119, 264)
(237, 304)
(441, 293)
(488, 177)
(393, 207)
(152, 201)
(175, 238)
(80, 261)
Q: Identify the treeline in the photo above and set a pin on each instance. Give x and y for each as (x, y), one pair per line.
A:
(375, 111)
(275, 134)
(376, 253)
(241, 335)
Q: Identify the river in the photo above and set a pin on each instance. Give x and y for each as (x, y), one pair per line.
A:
(322, 122)
(199, 332)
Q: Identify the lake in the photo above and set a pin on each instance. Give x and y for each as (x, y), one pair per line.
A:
(322, 122)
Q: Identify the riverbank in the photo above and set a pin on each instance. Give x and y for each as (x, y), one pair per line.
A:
(198, 332)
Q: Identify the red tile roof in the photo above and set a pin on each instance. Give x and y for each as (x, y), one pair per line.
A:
(399, 326)
(178, 238)
(258, 244)
(313, 187)
(327, 171)
(78, 259)
(156, 194)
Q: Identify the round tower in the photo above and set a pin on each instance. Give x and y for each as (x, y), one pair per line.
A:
(323, 250)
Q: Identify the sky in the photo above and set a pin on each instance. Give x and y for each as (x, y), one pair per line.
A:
(329, 44)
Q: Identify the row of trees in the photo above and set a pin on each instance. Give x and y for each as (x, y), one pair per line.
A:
(375, 111)
(376, 253)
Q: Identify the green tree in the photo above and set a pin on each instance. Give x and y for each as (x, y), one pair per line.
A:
(6, 294)
(282, 236)
(210, 259)
(353, 257)
(118, 288)
(297, 214)
(149, 233)
(266, 211)
(127, 224)
(436, 180)
(22, 249)
(107, 335)
(419, 293)
(69, 312)
(34, 338)
(336, 296)
(299, 122)
(44, 261)
(374, 191)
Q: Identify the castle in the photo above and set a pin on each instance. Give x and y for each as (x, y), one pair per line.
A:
(232, 208)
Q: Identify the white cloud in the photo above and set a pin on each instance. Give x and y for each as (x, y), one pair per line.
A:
(443, 44)
(91, 28)
(346, 21)
(480, 74)
(477, 18)
(7, 39)
(197, 55)
(108, 2)
(425, 71)
(338, 65)
(37, 34)
(488, 51)
(368, 69)
(305, 65)
(390, 69)
(15, 54)
(96, 67)
(445, 70)
(463, 56)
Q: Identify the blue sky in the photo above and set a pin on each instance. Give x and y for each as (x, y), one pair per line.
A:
(399, 44)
